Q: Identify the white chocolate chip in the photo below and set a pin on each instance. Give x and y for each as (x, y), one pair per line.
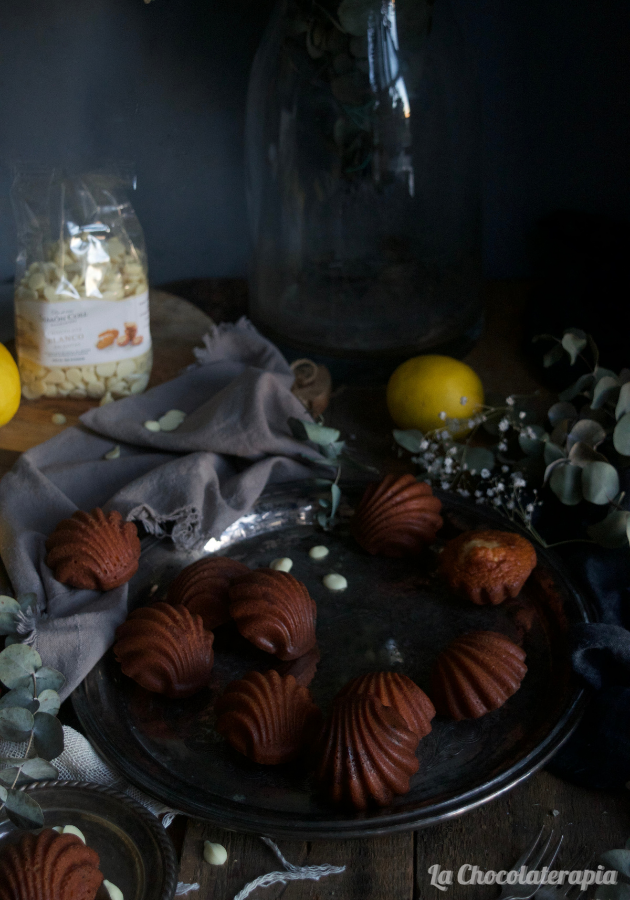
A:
(335, 582)
(105, 399)
(96, 390)
(319, 552)
(283, 564)
(114, 892)
(171, 420)
(214, 854)
(74, 375)
(106, 370)
(59, 419)
(55, 376)
(125, 367)
(114, 453)
(151, 425)
(70, 829)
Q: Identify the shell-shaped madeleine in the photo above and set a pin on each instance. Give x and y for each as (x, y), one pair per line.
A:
(396, 517)
(203, 588)
(399, 692)
(366, 753)
(49, 866)
(476, 673)
(268, 718)
(487, 566)
(96, 550)
(166, 650)
(275, 612)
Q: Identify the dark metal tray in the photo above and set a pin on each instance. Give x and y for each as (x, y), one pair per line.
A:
(135, 852)
(394, 614)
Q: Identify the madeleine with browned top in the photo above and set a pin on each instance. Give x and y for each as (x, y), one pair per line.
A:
(49, 866)
(166, 650)
(397, 517)
(367, 754)
(476, 674)
(274, 611)
(398, 691)
(488, 566)
(203, 588)
(97, 551)
(268, 718)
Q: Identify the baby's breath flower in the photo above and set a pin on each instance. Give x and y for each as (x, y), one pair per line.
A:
(445, 485)
(463, 492)
(485, 473)
(497, 501)
(472, 423)
(478, 493)
(522, 414)
(504, 424)
(509, 401)
(463, 400)
(529, 508)
(443, 416)
(424, 445)
(500, 486)
(505, 469)
(502, 446)
(510, 504)
(452, 451)
(490, 492)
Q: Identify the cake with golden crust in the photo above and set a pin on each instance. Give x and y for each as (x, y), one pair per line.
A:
(96, 551)
(268, 718)
(489, 566)
(166, 650)
(274, 611)
(398, 516)
(49, 866)
(476, 674)
(203, 588)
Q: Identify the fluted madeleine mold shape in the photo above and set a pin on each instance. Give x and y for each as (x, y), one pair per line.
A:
(49, 866)
(366, 754)
(203, 588)
(275, 612)
(396, 517)
(398, 691)
(166, 650)
(96, 550)
(476, 673)
(303, 669)
(268, 718)
(489, 566)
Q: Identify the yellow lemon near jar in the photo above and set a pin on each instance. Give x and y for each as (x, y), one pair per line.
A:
(9, 386)
(425, 388)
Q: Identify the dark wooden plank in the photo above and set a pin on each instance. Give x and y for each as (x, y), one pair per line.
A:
(376, 869)
(495, 835)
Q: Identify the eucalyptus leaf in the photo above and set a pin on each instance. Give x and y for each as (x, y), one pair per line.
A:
(20, 697)
(581, 455)
(583, 384)
(3, 794)
(23, 810)
(12, 639)
(336, 497)
(49, 702)
(323, 502)
(309, 431)
(560, 411)
(587, 430)
(600, 483)
(9, 776)
(601, 372)
(322, 519)
(566, 483)
(621, 435)
(605, 390)
(617, 859)
(478, 458)
(8, 609)
(612, 531)
(18, 663)
(354, 15)
(49, 679)
(553, 356)
(552, 452)
(574, 341)
(551, 466)
(27, 601)
(37, 769)
(411, 440)
(533, 446)
(47, 736)
(623, 403)
(620, 891)
(16, 723)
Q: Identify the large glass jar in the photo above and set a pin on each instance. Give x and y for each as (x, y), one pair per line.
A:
(363, 180)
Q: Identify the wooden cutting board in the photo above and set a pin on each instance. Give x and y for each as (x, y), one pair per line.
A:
(177, 326)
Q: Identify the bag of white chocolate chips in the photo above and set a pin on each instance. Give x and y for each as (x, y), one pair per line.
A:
(81, 289)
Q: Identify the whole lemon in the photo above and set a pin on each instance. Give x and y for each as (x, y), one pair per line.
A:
(425, 386)
(9, 386)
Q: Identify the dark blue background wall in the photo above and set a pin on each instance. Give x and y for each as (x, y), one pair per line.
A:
(164, 85)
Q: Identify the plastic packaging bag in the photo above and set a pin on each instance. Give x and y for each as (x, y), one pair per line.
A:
(81, 289)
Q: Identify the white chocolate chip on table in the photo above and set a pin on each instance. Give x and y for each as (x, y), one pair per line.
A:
(318, 552)
(283, 564)
(335, 582)
(214, 854)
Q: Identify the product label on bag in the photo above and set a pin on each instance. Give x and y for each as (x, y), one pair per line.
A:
(82, 332)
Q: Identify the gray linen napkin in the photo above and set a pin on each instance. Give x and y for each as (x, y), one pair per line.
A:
(190, 483)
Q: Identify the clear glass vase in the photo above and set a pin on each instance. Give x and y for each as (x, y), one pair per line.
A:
(362, 142)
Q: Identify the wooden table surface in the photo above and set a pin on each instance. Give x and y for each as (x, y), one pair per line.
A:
(393, 867)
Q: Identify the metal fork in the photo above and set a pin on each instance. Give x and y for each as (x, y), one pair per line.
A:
(538, 855)
(563, 891)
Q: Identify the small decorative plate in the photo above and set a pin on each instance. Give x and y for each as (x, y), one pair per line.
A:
(136, 853)
(394, 614)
